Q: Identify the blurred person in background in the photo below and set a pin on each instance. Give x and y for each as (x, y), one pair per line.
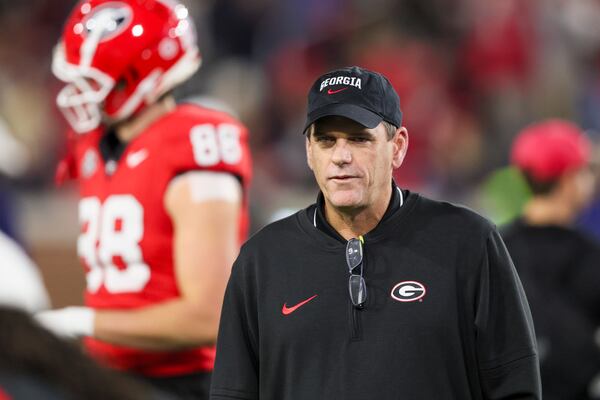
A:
(557, 263)
(163, 191)
(14, 160)
(21, 284)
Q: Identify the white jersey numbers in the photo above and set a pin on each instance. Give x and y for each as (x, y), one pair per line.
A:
(109, 243)
(89, 217)
(212, 144)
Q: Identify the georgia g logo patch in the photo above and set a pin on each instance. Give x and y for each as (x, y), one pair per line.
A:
(408, 291)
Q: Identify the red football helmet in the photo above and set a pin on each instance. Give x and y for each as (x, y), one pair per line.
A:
(118, 56)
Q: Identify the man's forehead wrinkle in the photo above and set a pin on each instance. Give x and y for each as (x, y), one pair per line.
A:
(334, 120)
(358, 130)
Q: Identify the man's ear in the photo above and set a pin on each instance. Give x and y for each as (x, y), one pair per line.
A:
(308, 146)
(400, 146)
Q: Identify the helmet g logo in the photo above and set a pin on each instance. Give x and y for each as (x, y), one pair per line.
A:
(408, 291)
(108, 20)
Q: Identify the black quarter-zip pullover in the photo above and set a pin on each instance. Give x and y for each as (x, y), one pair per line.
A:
(445, 316)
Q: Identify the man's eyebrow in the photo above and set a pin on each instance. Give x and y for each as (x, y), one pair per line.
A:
(362, 133)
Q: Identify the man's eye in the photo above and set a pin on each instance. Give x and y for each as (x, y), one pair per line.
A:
(359, 139)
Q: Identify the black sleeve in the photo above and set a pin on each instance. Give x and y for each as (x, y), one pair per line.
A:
(236, 367)
(506, 349)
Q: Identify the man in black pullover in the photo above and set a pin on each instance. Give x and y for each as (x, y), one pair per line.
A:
(374, 292)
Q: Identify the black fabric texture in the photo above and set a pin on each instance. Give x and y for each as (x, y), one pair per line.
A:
(559, 268)
(111, 147)
(181, 387)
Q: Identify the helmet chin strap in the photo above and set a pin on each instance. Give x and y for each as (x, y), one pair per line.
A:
(129, 128)
(141, 93)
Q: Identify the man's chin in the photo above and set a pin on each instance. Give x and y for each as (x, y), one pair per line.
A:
(341, 200)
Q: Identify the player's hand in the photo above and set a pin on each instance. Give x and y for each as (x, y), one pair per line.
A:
(69, 322)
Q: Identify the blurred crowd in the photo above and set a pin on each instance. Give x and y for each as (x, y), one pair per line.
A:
(469, 73)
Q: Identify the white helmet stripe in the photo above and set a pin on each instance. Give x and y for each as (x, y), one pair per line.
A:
(88, 48)
(99, 28)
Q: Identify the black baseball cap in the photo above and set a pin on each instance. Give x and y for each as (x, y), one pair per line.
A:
(356, 93)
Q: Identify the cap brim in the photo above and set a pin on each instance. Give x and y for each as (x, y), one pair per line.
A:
(358, 114)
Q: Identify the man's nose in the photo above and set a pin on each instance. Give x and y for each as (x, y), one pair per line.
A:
(342, 153)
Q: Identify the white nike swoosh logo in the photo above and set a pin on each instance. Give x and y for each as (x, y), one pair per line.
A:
(136, 158)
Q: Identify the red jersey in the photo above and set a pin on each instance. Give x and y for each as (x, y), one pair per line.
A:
(126, 240)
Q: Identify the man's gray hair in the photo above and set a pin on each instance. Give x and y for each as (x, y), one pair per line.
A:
(390, 129)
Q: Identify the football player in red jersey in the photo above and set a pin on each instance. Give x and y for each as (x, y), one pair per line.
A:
(163, 189)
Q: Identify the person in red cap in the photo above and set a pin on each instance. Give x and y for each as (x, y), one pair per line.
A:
(554, 156)
(558, 264)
